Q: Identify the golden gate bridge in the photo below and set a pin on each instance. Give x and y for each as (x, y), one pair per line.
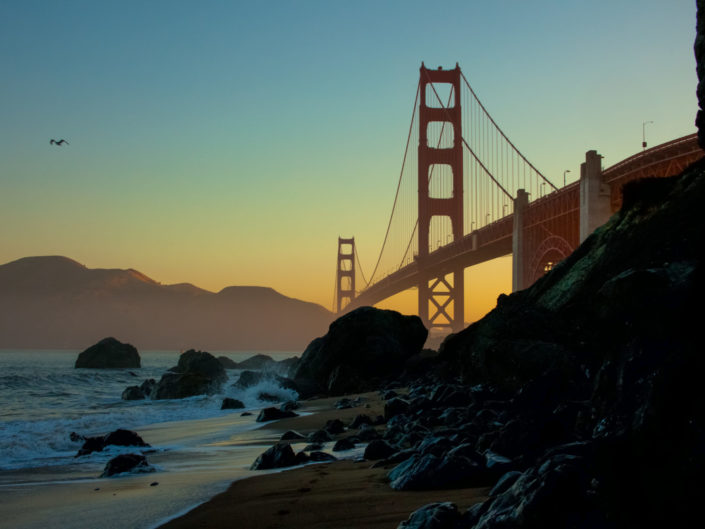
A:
(468, 195)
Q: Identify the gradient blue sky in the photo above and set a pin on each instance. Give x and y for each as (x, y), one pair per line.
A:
(224, 143)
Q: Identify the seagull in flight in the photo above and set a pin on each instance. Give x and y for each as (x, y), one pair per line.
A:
(58, 143)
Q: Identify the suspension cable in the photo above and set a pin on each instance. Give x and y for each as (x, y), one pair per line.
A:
(401, 173)
(359, 266)
(502, 133)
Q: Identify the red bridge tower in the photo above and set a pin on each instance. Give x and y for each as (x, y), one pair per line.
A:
(441, 292)
(345, 275)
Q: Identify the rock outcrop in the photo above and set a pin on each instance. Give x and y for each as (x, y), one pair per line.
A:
(109, 353)
(594, 373)
(699, 48)
(197, 373)
(361, 349)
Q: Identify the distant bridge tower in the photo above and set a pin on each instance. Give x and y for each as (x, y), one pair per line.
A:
(345, 275)
(441, 292)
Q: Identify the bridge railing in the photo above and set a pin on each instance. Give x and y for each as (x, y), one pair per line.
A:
(689, 142)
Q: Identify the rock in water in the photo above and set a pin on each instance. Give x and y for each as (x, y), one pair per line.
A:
(126, 463)
(197, 373)
(259, 362)
(133, 393)
(109, 353)
(232, 404)
(118, 437)
(274, 414)
(361, 348)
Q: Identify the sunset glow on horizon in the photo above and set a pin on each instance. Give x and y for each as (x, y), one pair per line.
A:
(232, 144)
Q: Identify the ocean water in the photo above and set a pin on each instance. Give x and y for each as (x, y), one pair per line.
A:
(43, 399)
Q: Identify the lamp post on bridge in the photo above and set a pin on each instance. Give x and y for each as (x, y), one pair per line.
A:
(643, 134)
(564, 173)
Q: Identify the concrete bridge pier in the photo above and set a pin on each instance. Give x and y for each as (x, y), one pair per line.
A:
(595, 207)
(521, 203)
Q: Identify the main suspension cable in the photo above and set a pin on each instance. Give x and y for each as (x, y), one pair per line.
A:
(401, 173)
(502, 132)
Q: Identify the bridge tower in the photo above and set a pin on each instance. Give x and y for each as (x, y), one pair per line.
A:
(345, 274)
(442, 291)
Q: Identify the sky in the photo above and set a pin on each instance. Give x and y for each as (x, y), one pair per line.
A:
(231, 142)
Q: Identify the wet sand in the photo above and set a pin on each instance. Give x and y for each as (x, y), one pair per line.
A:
(341, 494)
(338, 495)
(203, 476)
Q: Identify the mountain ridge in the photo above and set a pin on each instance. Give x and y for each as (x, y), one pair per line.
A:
(56, 302)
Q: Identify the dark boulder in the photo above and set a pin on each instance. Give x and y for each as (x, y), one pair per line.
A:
(126, 463)
(182, 385)
(143, 391)
(193, 361)
(433, 516)
(559, 492)
(258, 361)
(378, 449)
(247, 379)
(274, 414)
(429, 472)
(334, 426)
(395, 406)
(343, 444)
(367, 433)
(359, 420)
(278, 456)
(118, 437)
(291, 435)
(232, 404)
(361, 348)
(228, 363)
(133, 393)
(148, 386)
(319, 456)
(109, 353)
(319, 436)
(197, 373)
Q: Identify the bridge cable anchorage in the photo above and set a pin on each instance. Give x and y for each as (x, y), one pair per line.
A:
(468, 146)
(503, 134)
(396, 196)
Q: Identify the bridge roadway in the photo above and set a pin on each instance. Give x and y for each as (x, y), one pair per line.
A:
(495, 239)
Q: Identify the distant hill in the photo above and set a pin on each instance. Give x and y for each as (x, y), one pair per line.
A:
(55, 302)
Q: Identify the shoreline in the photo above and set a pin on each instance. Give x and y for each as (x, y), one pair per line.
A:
(347, 493)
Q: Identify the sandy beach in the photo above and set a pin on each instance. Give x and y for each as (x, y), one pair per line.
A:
(341, 494)
(203, 476)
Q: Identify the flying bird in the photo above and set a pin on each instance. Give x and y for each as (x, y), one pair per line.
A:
(58, 143)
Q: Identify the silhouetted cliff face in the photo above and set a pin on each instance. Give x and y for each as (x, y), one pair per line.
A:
(699, 48)
(613, 332)
(54, 302)
(633, 278)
